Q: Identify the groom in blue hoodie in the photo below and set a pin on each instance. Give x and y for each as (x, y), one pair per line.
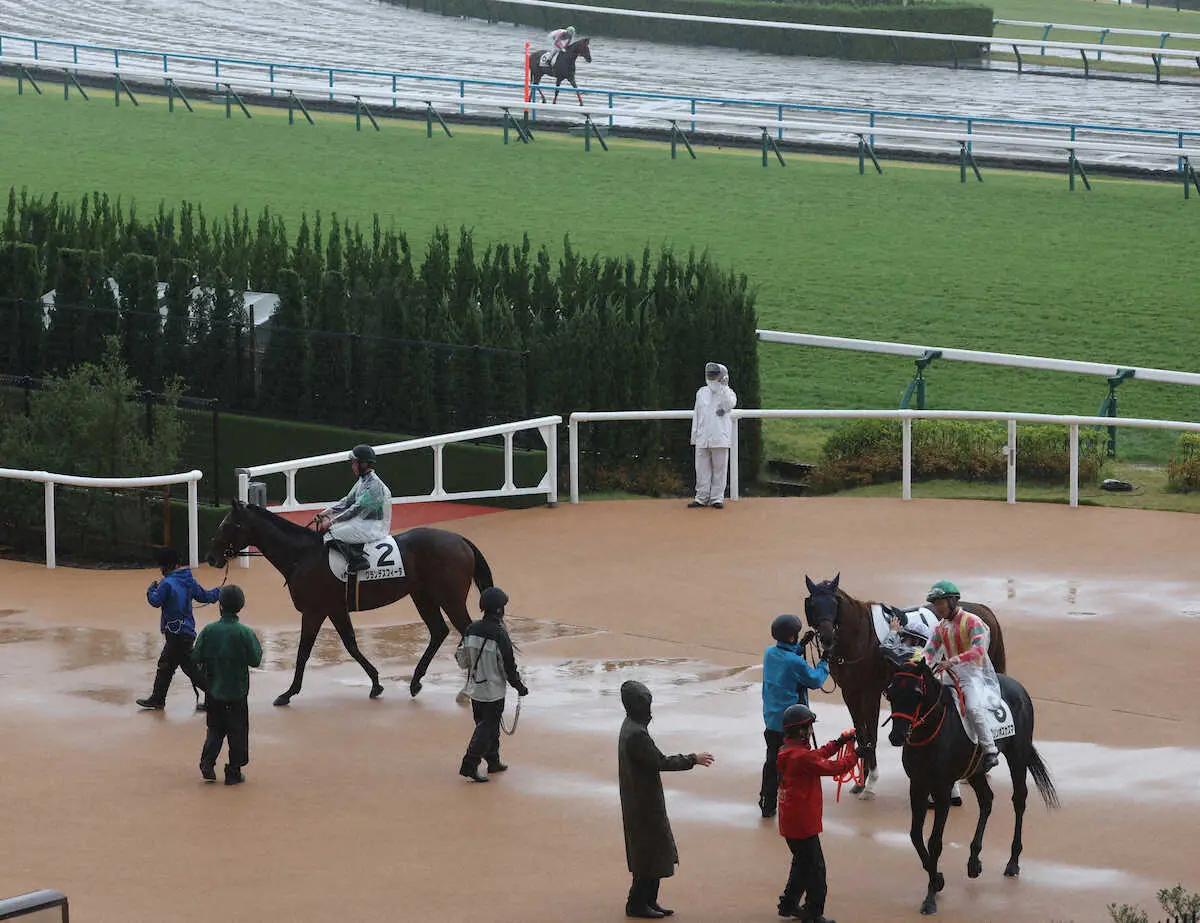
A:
(173, 595)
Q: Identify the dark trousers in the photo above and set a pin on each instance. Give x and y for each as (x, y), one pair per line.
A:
(227, 720)
(176, 653)
(485, 742)
(643, 893)
(807, 876)
(770, 775)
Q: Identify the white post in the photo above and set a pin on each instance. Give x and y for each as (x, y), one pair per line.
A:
(550, 434)
(1012, 461)
(906, 458)
(508, 461)
(735, 466)
(243, 489)
(1074, 464)
(193, 523)
(290, 502)
(50, 555)
(573, 453)
(438, 489)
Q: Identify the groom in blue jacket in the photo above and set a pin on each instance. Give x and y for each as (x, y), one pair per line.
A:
(787, 677)
(173, 594)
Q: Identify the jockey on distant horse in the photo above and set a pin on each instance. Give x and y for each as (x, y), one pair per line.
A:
(363, 515)
(959, 645)
(903, 641)
(561, 39)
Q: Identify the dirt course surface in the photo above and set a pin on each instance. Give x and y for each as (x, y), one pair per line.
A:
(353, 810)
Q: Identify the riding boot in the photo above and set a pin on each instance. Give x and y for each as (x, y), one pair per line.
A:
(358, 561)
(652, 892)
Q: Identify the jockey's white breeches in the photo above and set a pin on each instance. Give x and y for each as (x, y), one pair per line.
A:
(978, 717)
(359, 531)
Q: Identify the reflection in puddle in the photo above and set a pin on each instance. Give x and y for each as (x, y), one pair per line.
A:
(109, 695)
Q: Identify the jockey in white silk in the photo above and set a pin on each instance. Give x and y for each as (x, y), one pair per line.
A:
(363, 515)
(960, 645)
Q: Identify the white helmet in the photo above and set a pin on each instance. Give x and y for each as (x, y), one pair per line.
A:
(915, 630)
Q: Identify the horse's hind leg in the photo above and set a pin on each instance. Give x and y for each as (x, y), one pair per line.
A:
(576, 86)
(1017, 770)
(345, 629)
(431, 615)
(310, 624)
(983, 792)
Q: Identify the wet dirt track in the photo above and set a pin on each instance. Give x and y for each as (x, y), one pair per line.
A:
(354, 811)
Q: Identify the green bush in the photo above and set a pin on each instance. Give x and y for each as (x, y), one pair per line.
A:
(89, 423)
(1183, 469)
(946, 18)
(869, 452)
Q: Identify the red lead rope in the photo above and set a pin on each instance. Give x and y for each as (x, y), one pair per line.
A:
(856, 773)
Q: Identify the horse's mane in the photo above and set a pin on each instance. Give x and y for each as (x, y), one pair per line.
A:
(286, 529)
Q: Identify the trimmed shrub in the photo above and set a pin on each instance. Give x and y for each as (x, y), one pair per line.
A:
(1183, 469)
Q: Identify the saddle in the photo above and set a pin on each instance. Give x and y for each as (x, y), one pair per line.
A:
(378, 560)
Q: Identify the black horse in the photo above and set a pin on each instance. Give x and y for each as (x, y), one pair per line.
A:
(562, 69)
(846, 635)
(937, 751)
(438, 569)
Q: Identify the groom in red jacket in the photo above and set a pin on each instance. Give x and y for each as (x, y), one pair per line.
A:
(801, 806)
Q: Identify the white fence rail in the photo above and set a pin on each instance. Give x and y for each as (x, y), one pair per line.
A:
(970, 355)
(191, 478)
(547, 427)
(904, 416)
(1166, 153)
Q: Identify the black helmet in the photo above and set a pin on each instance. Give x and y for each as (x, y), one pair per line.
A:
(232, 599)
(493, 599)
(364, 453)
(786, 627)
(797, 716)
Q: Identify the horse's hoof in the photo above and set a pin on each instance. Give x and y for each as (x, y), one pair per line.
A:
(857, 790)
(974, 868)
(939, 882)
(866, 795)
(282, 700)
(929, 906)
(414, 687)
(1012, 870)
(376, 691)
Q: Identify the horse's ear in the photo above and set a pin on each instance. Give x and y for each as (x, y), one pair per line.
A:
(238, 504)
(812, 587)
(834, 582)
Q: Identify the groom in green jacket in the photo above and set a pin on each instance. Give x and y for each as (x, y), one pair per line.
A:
(225, 651)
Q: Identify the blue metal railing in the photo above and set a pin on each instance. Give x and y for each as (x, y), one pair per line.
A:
(271, 68)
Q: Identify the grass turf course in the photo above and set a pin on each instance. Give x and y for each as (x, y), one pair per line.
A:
(1016, 264)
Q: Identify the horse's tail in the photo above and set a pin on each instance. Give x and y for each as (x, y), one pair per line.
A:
(483, 573)
(1041, 778)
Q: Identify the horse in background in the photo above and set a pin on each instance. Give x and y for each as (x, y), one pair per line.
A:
(847, 639)
(439, 567)
(562, 68)
(938, 752)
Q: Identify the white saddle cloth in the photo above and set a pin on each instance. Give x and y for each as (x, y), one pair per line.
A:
(881, 618)
(383, 556)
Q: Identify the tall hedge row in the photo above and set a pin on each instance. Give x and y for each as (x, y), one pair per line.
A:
(371, 332)
(941, 17)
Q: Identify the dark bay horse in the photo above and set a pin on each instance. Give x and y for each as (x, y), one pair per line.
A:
(847, 638)
(562, 69)
(438, 566)
(937, 751)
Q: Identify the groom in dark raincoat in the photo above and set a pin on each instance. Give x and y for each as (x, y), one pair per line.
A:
(649, 846)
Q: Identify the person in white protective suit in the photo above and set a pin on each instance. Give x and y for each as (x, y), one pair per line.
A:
(905, 640)
(363, 515)
(712, 432)
(960, 644)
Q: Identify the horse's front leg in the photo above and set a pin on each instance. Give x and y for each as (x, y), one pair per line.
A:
(576, 86)
(431, 615)
(310, 624)
(933, 851)
(867, 727)
(345, 629)
(557, 83)
(983, 792)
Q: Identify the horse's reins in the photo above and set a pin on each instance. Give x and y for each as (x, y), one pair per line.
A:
(916, 720)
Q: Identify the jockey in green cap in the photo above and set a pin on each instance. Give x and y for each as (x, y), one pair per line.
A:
(960, 644)
(562, 39)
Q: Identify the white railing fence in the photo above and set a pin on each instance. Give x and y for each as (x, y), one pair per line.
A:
(191, 478)
(905, 417)
(547, 427)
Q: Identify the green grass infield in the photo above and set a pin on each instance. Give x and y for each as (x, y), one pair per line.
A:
(1015, 264)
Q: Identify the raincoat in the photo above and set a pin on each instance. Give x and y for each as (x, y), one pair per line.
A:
(710, 429)
(225, 651)
(649, 844)
(801, 801)
(787, 677)
(962, 641)
(174, 595)
(364, 514)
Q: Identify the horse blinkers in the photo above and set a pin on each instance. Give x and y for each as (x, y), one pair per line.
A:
(820, 619)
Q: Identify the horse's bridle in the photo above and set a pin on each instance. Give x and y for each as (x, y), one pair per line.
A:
(918, 719)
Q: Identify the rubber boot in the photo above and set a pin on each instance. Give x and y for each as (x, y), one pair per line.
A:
(470, 770)
(158, 696)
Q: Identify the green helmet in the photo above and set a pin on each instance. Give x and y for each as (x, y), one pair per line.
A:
(942, 590)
